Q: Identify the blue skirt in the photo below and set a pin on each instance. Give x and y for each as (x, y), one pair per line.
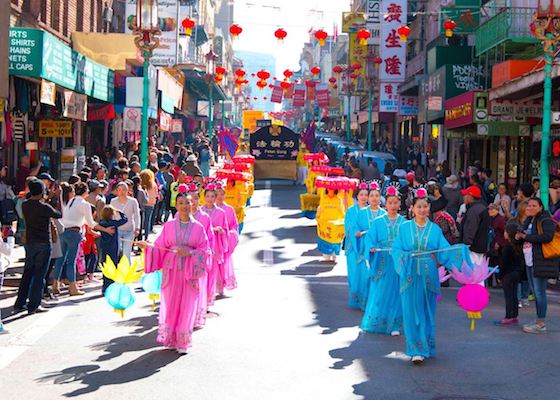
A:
(328, 248)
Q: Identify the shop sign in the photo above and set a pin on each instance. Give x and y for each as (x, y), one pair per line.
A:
(75, 105)
(48, 92)
(373, 21)
(435, 103)
(167, 103)
(501, 128)
(100, 112)
(263, 122)
(274, 142)
(459, 110)
(132, 119)
(166, 52)
(351, 23)
(480, 107)
(389, 97)
(55, 129)
(408, 105)
(517, 108)
(36, 53)
(170, 88)
(177, 125)
(164, 121)
(392, 50)
(465, 13)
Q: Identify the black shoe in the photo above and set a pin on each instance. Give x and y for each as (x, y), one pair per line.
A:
(18, 309)
(39, 309)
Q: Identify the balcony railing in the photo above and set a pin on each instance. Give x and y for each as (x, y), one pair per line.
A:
(510, 24)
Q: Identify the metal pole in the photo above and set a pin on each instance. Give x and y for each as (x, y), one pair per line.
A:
(545, 144)
(223, 108)
(145, 105)
(178, 21)
(370, 112)
(348, 116)
(211, 112)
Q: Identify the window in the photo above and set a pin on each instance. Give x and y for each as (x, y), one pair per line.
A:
(65, 19)
(79, 16)
(91, 16)
(100, 16)
(55, 14)
(43, 11)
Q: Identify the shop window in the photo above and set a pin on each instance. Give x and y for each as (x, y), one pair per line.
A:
(91, 16)
(80, 16)
(55, 14)
(99, 15)
(64, 19)
(44, 11)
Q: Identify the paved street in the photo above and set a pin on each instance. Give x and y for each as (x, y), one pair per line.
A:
(285, 333)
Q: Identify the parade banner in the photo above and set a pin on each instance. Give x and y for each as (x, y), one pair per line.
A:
(275, 149)
(165, 121)
(99, 112)
(322, 94)
(393, 50)
(75, 105)
(299, 95)
(310, 93)
(277, 93)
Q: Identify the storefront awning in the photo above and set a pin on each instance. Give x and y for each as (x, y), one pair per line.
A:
(197, 84)
(526, 86)
(109, 49)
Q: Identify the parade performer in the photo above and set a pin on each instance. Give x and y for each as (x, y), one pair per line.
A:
(383, 311)
(226, 279)
(330, 214)
(417, 250)
(181, 251)
(206, 222)
(353, 239)
(220, 245)
(365, 221)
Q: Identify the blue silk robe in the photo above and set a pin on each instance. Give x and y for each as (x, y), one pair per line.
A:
(365, 221)
(419, 282)
(353, 250)
(383, 311)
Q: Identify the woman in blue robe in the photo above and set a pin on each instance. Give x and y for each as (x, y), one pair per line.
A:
(383, 311)
(365, 221)
(419, 277)
(353, 239)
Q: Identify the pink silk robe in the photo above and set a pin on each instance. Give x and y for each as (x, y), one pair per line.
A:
(219, 248)
(180, 279)
(226, 278)
(206, 223)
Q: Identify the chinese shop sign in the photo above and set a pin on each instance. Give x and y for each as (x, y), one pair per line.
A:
(36, 53)
(389, 97)
(408, 105)
(55, 129)
(465, 13)
(393, 51)
(274, 142)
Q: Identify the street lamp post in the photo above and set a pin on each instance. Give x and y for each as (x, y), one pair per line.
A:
(546, 27)
(348, 71)
(146, 29)
(371, 75)
(211, 58)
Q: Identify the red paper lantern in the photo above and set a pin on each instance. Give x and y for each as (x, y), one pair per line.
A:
(261, 84)
(235, 30)
(377, 61)
(219, 79)
(321, 37)
(263, 75)
(449, 27)
(356, 66)
(220, 70)
(332, 80)
(188, 24)
(285, 85)
(315, 71)
(280, 34)
(403, 32)
(363, 35)
(288, 74)
(255, 98)
(253, 75)
(337, 69)
(248, 98)
(265, 98)
(354, 76)
(240, 73)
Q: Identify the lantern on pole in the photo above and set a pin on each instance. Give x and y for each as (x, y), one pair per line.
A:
(188, 25)
(261, 85)
(363, 35)
(332, 81)
(321, 37)
(280, 34)
(315, 71)
(337, 69)
(220, 71)
(356, 66)
(377, 61)
(263, 75)
(449, 27)
(285, 85)
(235, 30)
(146, 28)
(288, 74)
(403, 33)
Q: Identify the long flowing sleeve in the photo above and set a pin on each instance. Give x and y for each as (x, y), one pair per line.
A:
(350, 230)
(154, 258)
(451, 259)
(199, 254)
(370, 241)
(233, 229)
(402, 254)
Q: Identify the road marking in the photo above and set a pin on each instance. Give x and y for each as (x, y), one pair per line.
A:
(268, 253)
(19, 343)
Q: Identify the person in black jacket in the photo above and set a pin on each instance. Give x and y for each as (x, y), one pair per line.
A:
(539, 229)
(511, 270)
(475, 224)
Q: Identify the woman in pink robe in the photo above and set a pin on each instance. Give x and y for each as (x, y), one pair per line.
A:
(220, 229)
(206, 222)
(226, 279)
(181, 251)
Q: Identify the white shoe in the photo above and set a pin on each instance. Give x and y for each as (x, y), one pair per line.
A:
(333, 258)
(395, 333)
(326, 257)
(182, 351)
(417, 360)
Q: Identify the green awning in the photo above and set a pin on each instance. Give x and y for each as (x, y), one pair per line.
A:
(196, 83)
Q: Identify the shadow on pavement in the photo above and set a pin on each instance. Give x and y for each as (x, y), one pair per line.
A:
(93, 378)
(310, 268)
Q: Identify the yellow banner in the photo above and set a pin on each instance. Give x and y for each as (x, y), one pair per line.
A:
(331, 231)
(357, 52)
(250, 118)
(55, 129)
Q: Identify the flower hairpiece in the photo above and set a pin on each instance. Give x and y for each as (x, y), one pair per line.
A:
(210, 186)
(363, 186)
(192, 187)
(182, 188)
(421, 193)
(392, 191)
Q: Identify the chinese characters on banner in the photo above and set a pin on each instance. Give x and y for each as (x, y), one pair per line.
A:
(277, 93)
(408, 105)
(165, 121)
(299, 95)
(393, 51)
(75, 105)
(311, 92)
(351, 24)
(389, 97)
(322, 94)
(274, 142)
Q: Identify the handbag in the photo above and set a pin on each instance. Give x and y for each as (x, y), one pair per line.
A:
(552, 248)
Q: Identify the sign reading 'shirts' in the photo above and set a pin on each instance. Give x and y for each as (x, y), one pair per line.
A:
(274, 142)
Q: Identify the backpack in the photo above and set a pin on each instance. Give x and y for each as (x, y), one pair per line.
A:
(8, 212)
